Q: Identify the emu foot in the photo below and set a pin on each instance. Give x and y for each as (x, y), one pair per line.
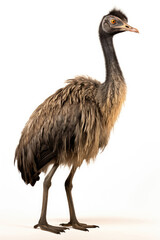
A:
(50, 228)
(79, 226)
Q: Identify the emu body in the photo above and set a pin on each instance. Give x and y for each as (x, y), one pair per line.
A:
(72, 125)
(68, 127)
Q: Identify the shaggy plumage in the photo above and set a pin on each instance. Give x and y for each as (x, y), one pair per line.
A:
(68, 127)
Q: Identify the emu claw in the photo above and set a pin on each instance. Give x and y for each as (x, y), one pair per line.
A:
(79, 226)
(50, 228)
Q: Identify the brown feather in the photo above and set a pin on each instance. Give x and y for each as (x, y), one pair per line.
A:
(68, 127)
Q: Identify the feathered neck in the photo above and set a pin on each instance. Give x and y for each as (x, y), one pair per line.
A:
(113, 70)
(114, 77)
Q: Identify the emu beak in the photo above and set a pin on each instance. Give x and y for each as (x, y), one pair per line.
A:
(127, 27)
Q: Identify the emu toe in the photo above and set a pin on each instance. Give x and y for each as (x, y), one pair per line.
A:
(79, 226)
(50, 228)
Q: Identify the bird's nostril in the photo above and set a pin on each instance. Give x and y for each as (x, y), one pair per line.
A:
(127, 26)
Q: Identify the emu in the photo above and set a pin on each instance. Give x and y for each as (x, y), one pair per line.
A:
(75, 122)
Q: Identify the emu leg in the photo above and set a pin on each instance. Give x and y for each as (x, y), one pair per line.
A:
(42, 221)
(73, 219)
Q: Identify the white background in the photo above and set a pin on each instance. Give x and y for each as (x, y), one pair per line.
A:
(43, 43)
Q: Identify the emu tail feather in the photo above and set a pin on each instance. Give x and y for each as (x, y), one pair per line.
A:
(26, 164)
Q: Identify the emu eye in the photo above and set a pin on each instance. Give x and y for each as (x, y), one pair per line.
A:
(113, 21)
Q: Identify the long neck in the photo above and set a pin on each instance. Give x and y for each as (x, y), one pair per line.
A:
(113, 71)
(110, 94)
(114, 77)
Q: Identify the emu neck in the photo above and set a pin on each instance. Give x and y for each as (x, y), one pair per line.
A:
(114, 77)
(113, 71)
